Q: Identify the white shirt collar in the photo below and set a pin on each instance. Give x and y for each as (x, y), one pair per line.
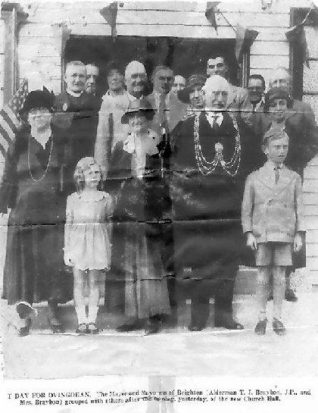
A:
(133, 98)
(213, 117)
(272, 166)
(42, 138)
(114, 95)
(74, 94)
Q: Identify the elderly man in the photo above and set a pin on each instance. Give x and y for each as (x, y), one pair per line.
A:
(169, 110)
(179, 83)
(76, 113)
(110, 130)
(206, 205)
(217, 65)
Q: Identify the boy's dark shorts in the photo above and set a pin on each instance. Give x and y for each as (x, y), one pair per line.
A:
(274, 253)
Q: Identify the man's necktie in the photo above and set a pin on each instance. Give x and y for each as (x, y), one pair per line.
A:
(276, 169)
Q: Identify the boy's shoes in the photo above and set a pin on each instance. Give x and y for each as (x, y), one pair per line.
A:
(82, 329)
(92, 328)
(260, 328)
(278, 327)
(290, 295)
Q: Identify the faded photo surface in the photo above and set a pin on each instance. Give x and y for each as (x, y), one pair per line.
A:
(159, 204)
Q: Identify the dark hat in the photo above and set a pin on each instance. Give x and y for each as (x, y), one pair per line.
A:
(38, 99)
(114, 65)
(138, 105)
(192, 81)
(273, 133)
(277, 93)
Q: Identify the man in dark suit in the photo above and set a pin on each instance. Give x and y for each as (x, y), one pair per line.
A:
(250, 116)
(169, 109)
(206, 206)
(92, 82)
(76, 113)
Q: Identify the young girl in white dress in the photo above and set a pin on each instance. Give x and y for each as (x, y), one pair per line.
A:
(87, 244)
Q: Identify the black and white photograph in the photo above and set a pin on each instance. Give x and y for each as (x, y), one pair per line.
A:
(159, 205)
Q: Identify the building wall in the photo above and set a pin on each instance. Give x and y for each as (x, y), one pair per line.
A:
(1, 60)
(39, 45)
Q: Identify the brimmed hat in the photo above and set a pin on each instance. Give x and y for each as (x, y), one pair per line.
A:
(138, 105)
(192, 81)
(114, 65)
(38, 99)
(277, 93)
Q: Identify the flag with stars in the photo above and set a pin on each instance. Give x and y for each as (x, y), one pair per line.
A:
(9, 118)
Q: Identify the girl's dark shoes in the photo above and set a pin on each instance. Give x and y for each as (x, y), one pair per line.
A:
(279, 327)
(82, 329)
(260, 328)
(92, 328)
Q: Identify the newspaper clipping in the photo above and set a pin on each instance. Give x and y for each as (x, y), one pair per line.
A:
(159, 206)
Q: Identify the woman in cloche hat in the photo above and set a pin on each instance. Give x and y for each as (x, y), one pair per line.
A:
(30, 191)
(135, 181)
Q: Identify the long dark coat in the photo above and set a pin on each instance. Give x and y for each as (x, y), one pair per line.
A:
(78, 118)
(137, 226)
(206, 209)
(31, 188)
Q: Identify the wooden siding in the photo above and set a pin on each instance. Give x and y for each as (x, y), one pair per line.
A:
(1, 60)
(175, 19)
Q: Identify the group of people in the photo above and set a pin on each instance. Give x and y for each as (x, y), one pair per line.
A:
(165, 193)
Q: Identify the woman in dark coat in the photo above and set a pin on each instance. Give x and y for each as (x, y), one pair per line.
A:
(206, 207)
(134, 180)
(30, 189)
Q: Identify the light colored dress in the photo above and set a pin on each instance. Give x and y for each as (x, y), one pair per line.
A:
(87, 232)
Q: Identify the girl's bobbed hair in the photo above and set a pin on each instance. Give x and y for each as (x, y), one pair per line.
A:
(83, 165)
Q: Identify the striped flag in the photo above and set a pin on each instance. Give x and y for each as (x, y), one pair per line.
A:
(9, 118)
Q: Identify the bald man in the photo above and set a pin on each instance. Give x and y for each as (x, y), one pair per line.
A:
(206, 205)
